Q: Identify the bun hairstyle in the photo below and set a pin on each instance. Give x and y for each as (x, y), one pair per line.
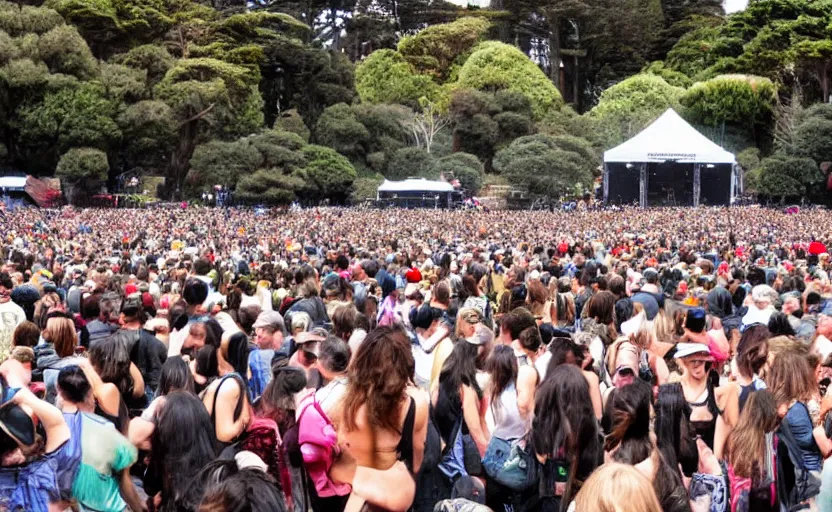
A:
(73, 384)
(626, 421)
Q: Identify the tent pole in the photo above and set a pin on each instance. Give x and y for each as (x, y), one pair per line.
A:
(606, 183)
(697, 183)
(733, 183)
(642, 185)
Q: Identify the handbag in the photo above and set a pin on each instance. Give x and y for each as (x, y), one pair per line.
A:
(511, 463)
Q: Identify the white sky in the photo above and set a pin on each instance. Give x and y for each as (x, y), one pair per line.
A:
(734, 5)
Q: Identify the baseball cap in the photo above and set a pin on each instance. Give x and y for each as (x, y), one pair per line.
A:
(470, 315)
(270, 318)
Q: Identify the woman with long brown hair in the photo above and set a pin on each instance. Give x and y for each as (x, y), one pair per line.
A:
(536, 296)
(384, 421)
(791, 381)
(751, 455)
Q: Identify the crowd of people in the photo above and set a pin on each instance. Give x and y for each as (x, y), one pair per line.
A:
(205, 359)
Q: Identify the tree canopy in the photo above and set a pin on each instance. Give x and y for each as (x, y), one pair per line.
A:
(312, 100)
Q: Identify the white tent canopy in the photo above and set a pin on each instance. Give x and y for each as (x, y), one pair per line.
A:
(415, 185)
(15, 182)
(669, 138)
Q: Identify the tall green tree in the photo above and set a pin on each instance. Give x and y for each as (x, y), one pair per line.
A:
(207, 93)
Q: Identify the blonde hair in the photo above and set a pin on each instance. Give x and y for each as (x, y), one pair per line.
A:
(60, 332)
(617, 487)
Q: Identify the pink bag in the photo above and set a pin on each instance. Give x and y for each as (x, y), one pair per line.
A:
(319, 445)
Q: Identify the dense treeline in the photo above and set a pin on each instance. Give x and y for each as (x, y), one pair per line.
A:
(285, 100)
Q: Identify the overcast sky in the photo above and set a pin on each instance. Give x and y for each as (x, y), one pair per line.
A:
(735, 5)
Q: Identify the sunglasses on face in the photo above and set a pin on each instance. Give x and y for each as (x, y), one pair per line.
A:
(698, 362)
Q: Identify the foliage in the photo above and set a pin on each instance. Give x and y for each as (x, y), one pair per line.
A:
(814, 139)
(339, 128)
(291, 121)
(782, 176)
(495, 66)
(149, 132)
(672, 77)
(486, 122)
(387, 77)
(629, 106)
(464, 167)
(365, 188)
(153, 59)
(544, 166)
(749, 159)
(80, 164)
(222, 163)
(731, 98)
(411, 162)
(326, 174)
(78, 116)
(269, 187)
(438, 49)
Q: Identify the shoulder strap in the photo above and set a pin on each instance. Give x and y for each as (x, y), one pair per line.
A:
(405, 447)
(238, 409)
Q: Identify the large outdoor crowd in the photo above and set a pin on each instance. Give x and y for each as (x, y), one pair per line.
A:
(616, 360)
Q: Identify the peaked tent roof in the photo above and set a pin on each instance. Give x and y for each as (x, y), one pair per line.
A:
(669, 138)
(415, 185)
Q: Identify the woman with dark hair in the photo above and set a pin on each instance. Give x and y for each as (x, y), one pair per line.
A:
(182, 444)
(503, 416)
(384, 420)
(104, 451)
(720, 306)
(565, 436)
(458, 398)
(245, 490)
(175, 376)
(536, 297)
(676, 445)
(779, 325)
(626, 422)
(278, 403)
(566, 351)
(751, 455)
(752, 355)
(111, 362)
(600, 317)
